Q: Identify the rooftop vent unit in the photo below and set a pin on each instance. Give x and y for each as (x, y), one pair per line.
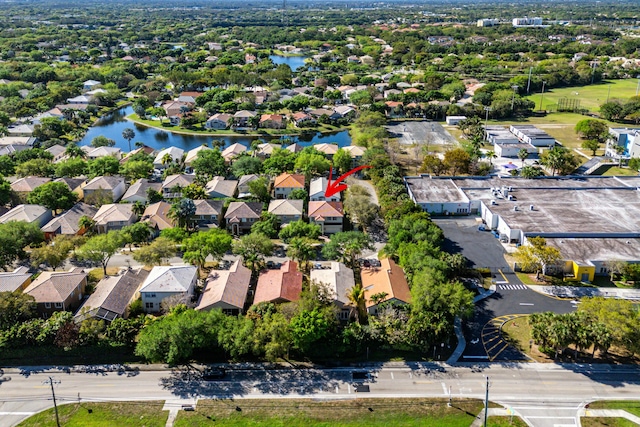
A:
(493, 202)
(510, 197)
(531, 208)
(515, 209)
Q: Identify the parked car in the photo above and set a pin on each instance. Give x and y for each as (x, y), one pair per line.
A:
(213, 374)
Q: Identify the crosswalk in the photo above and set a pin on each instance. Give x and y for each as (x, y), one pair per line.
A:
(510, 287)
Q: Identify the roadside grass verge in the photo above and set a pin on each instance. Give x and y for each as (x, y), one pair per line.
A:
(337, 413)
(104, 414)
(631, 406)
(606, 422)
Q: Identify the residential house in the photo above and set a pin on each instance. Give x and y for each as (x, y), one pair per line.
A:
(387, 279)
(243, 185)
(21, 130)
(112, 187)
(319, 112)
(208, 212)
(218, 121)
(58, 290)
(57, 151)
(394, 109)
(317, 189)
(356, 154)
(113, 294)
(175, 110)
(156, 216)
(23, 186)
(285, 183)
(265, 150)
(167, 281)
(301, 119)
(328, 215)
(74, 184)
(390, 93)
(16, 280)
(189, 97)
(243, 119)
(138, 192)
(240, 216)
(220, 188)
(273, 121)
(233, 151)
(277, 286)
(327, 149)
(81, 99)
(193, 154)
(343, 111)
(168, 156)
(90, 85)
(114, 217)
(294, 148)
(339, 279)
(287, 210)
(28, 213)
(173, 184)
(67, 223)
(226, 289)
(144, 149)
(95, 153)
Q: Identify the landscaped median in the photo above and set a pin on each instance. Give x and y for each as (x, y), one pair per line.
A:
(281, 412)
(615, 413)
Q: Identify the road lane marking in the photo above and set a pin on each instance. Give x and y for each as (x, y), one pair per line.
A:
(503, 276)
(444, 388)
(526, 303)
(392, 375)
(17, 413)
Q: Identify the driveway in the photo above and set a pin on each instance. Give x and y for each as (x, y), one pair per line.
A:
(512, 297)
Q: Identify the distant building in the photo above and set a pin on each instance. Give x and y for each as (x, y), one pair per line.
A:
(527, 22)
(487, 22)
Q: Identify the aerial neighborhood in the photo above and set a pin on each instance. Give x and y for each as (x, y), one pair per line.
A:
(320, 185)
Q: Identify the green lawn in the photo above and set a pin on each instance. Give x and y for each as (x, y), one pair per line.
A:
(616, 171)
(631, 406)
(606, 422)
(591, 96)
(129, 414)
(339, 413)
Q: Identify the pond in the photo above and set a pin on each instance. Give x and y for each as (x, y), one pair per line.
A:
(112, 126)
(292, 61)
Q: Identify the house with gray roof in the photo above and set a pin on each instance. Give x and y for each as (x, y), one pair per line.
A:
(138, 192)
(317, 189)
(339, 279)
(112, 296)
(166, 281)
(240, 216)
(67, 222)
(287, 210)
(58, 290)
(16, 280)
(173, 184)
(24, 186)
(174, 153)
(208, 212)
(28, 213)
(220, 188)
(114, 217)
(112, 187)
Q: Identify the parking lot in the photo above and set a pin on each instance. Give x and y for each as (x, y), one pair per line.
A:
(422, 132)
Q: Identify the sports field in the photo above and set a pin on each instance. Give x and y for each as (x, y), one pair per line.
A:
(590, 97)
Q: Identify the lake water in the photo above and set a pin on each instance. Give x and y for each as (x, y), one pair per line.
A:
(112, 126)
(292, 61)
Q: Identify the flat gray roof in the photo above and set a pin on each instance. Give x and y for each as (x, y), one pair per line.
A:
(426, 190)
(582, 250)
(597, 211)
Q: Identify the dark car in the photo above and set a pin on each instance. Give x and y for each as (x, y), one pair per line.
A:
(210, 374)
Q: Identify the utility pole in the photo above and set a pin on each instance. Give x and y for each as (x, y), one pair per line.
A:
(638, 87)
(486, 404)
(51, 382)
(542, 94)
(513, 97)
(529, 81)
(486, 120)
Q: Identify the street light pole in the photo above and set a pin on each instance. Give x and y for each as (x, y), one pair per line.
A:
(486, 404)
(486, 120)
(542, 94)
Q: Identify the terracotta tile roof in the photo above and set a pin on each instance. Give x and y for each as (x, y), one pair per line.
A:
(55, 286)
(228, 287)
(284, 284)
(325, 209)
(388, 278)
(289, 180)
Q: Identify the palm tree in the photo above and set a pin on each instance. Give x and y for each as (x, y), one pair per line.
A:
(522, 155)
(217, 143)
(166, 159)
(601, 336)
(300, 250)
(181, 211)
(73, 150)
(357, 300)
(138, 208)
(491, 155)
(128, 134)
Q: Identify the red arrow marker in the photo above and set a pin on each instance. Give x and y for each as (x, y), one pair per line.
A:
(336, 186)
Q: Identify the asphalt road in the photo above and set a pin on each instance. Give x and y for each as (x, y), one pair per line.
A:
(544, 393)
(512, 298)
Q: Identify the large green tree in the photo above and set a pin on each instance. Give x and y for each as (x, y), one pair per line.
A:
(199, 246)
(15, 307)
(53, 195)
(253, 248)
(101, 248)
(209, 163)
(14, 237)
(347, 247)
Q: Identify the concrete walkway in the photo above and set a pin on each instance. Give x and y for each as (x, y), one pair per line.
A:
(174, 406)
(581, 291)
(497, 412)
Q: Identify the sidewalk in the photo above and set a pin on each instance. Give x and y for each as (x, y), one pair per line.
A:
(580, 291)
